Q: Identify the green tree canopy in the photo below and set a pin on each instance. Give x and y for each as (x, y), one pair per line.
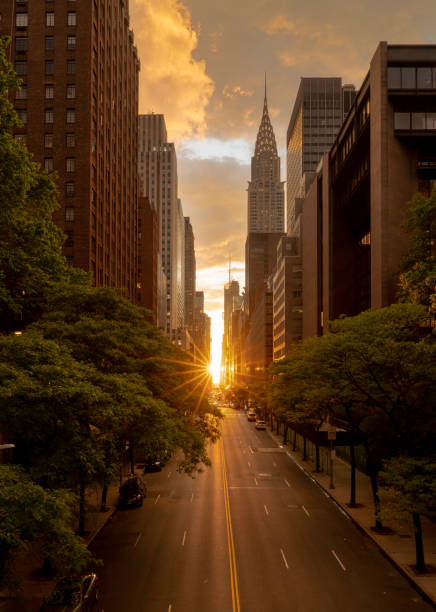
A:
(30, 243)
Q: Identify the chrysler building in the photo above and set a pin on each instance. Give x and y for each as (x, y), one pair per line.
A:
(265, 190)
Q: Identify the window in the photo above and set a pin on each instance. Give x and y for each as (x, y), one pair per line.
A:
(402, 121)
(71, 19)
(49, 43)
(71, 140)
(408, 78)
(21, 94)
(21, 20)
(430, 121)
(22, 115)
(71, 92)
(69, 213)
(48, 141)
(48, 164)
(71, 66)
(418, 121)
(49, 115)
(71, 43)
(21, 44)
(69, 189)
(70, 238)
(71, 115)
(49, 67)
(70, 164)
(20, 138)
(49, 19)
(49, 92)
(21, 68)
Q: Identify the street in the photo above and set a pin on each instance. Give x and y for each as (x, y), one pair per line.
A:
(253, 533)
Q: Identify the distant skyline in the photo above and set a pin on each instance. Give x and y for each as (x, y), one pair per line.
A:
(202, 66)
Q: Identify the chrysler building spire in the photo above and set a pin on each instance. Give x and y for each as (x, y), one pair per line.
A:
(265, 190)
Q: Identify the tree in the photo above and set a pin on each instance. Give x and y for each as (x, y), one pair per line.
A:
(101, 328)
(410, 485)
(31, 514)
(30, 243)
(418, 266)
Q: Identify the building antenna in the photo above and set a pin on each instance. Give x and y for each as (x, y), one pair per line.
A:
(230, 266)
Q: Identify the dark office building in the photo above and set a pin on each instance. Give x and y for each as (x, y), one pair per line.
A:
(318, 113)
(384, 153)
(190, 276)
(260, 259)
(148, 250)
(79, 105)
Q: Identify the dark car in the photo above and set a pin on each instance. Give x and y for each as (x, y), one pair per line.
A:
(132, 492)
(73, 595)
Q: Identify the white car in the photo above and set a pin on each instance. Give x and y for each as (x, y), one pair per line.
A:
(260, 424)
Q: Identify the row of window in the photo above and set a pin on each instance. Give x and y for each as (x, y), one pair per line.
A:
(22, 19)
(21, 94)
(48, 140)
(415, 121)
(70, 164)
(21, 67)
(48, 115)
(411, 77)
(21, 43)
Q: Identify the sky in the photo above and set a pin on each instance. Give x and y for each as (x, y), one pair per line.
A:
(202, 66)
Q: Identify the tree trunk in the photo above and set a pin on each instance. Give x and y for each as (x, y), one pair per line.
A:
(82, 508)
(419, 544)
(285, 434)
(376, 498)
(353, 477)
(103, 506)
(304, 449)
(294, 443)
(317, 458)
(131, 459)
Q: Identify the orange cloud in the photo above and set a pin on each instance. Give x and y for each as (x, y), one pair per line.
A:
(231, 92)
(278, 24)
(172, 81)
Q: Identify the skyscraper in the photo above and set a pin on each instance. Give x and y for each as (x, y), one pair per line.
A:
(265, 190)
(265, 208)
(317, 116)
(158, 179)
(190, 276)
(78, 104)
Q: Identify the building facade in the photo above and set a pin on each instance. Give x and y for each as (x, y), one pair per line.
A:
(190, 276)
(287, 297)
(78, 104)
(157, 163)
(147, 258)
(383, 155)
(316, 118)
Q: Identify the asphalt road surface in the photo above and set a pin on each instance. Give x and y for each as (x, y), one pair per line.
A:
(253, 533)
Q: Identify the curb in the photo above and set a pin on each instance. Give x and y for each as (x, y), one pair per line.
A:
(95, 533)
(426, 596)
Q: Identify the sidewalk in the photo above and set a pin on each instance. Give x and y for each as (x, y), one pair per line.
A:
(35, 586)
(399, 546)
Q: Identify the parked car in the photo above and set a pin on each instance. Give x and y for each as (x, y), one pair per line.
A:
(73, 595)
(132, 492)
(260, 424)
(251, 415)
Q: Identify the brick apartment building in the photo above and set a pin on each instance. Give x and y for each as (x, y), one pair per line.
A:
(384, 153)
(79, 105)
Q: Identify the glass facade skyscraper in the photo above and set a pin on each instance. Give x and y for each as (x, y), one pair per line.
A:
(318, 114)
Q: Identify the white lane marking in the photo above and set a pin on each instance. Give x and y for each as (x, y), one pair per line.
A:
(169, 474)
(266, 510)
(192, 497)
(255, 480)
(137, 539)
(304, 509)
(252, 451)
(338, 560)
(184, 538)
(341, 511)
(249, 464)
(284, 559)
(274, 464)
(170, 607)
(287, 483)
(157, 499)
